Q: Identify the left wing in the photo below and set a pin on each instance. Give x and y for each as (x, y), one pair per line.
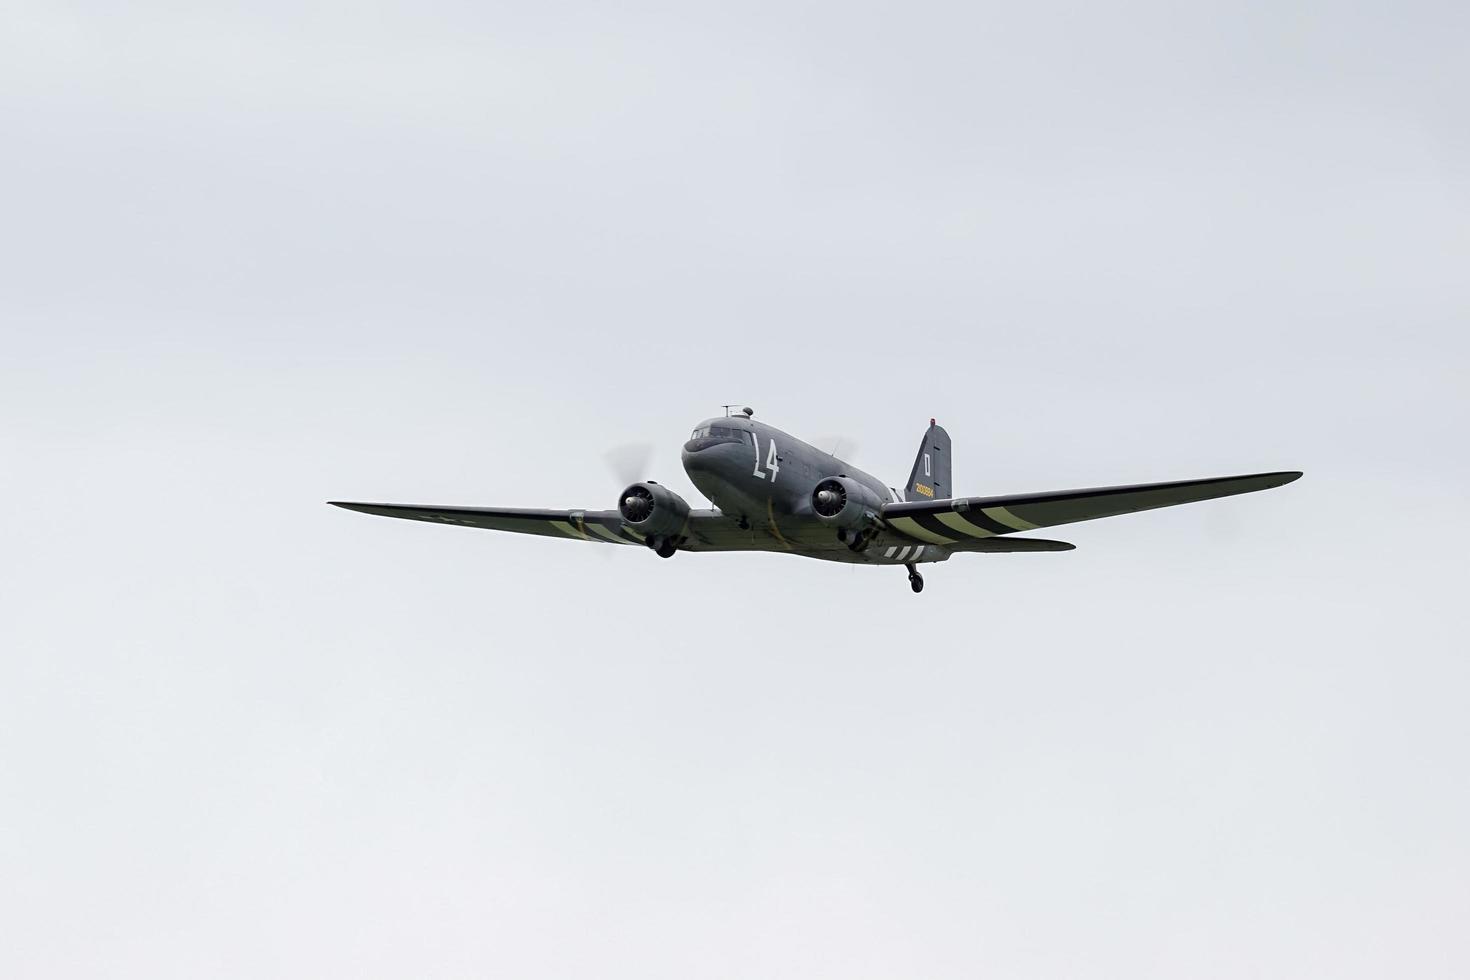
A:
(605, 526)
(969, 518)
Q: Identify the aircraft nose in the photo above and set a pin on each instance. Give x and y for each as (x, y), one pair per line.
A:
(703, 457)
(691, 459)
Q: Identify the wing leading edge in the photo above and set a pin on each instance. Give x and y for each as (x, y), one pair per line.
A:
(965, 519)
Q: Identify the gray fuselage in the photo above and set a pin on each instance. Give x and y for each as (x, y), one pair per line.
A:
(752, 470)
(764, 478)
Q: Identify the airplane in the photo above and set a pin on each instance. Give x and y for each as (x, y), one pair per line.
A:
(773, 492)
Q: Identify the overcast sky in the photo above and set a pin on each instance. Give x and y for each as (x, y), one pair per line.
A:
(257, 256)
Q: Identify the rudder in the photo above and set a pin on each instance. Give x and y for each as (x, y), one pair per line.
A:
(930, 478)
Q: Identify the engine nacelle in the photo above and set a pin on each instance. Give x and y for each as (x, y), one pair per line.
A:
(842, 502)
(655, 511)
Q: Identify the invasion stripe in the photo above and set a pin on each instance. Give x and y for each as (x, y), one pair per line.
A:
(930, 523)
(599, 529)
(954, 521)
(566, 529)
(776, 531)
(1010, 520)
(982, 519)
(914, 529)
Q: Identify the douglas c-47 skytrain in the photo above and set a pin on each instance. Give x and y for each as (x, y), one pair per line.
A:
(773, 492)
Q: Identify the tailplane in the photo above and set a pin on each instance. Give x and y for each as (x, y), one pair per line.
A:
(930, 478)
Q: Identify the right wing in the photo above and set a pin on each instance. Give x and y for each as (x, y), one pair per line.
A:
(605, 526)
(969, 518)
(706, 530)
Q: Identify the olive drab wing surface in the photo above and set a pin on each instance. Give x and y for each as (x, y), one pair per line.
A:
(773, 492)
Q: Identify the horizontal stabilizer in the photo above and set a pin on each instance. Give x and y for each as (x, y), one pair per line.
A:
(1013, 545)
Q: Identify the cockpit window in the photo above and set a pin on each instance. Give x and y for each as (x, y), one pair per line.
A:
(715, 432)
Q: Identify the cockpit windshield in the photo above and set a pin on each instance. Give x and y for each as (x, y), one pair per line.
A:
(715, 432)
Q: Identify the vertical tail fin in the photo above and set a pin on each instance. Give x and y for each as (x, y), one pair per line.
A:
(930, 478)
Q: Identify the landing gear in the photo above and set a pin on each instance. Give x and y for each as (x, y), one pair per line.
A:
(663, 547)
(916, 581)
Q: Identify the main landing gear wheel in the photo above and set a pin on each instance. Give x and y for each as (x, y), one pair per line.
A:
(916, 581)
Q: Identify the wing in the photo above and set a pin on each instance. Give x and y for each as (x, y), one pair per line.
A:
(605, 526)
(706, 530)
(968, 518)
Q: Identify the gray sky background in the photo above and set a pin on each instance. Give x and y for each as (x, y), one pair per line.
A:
(256, 256)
